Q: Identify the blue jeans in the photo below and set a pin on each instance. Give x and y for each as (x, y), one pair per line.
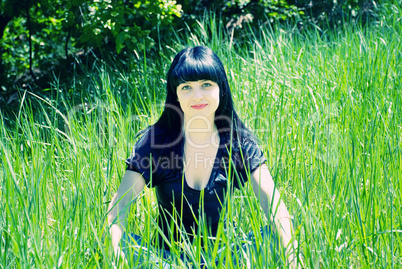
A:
(141, 253)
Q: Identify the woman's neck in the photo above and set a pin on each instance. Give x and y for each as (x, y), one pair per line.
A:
(200, 132)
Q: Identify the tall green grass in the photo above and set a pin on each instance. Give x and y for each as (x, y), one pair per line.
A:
(325, 106)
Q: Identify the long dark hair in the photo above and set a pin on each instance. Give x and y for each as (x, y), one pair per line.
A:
(193, 64)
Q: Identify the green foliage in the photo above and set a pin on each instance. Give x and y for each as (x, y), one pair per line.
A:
(40, 34)
(39, 26)
(330, 13)
(237, 13)
(133, 24)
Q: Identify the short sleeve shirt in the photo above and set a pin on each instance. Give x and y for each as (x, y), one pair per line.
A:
(161, 165)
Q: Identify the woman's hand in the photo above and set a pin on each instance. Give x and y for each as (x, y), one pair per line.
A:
(116, 234)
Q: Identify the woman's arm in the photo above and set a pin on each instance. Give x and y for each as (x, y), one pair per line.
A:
(274, 208)
(130, 187)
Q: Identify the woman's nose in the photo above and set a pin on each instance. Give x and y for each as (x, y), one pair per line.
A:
(197, 93)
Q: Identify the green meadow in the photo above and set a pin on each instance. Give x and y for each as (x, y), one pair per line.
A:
(325, 106)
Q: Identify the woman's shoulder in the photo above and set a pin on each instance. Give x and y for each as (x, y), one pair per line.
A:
(250, 147)
(245, 140)
(154, 139)
(152, 130)
(249, 140)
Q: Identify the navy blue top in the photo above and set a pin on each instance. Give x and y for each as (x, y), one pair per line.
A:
(160, 162)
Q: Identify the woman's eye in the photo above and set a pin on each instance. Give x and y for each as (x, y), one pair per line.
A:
(206, 85)
(186, 87)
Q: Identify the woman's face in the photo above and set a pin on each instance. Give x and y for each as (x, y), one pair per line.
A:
(198, 98)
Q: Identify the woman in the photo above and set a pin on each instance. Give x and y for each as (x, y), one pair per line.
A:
(198, 150)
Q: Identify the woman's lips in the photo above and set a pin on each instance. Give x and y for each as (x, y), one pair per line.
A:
(199, 106)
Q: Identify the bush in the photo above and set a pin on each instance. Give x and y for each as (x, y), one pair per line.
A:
(38, 35)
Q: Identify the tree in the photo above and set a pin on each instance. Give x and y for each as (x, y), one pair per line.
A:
(37, 34)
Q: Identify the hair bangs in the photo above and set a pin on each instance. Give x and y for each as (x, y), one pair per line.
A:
(193, 70)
